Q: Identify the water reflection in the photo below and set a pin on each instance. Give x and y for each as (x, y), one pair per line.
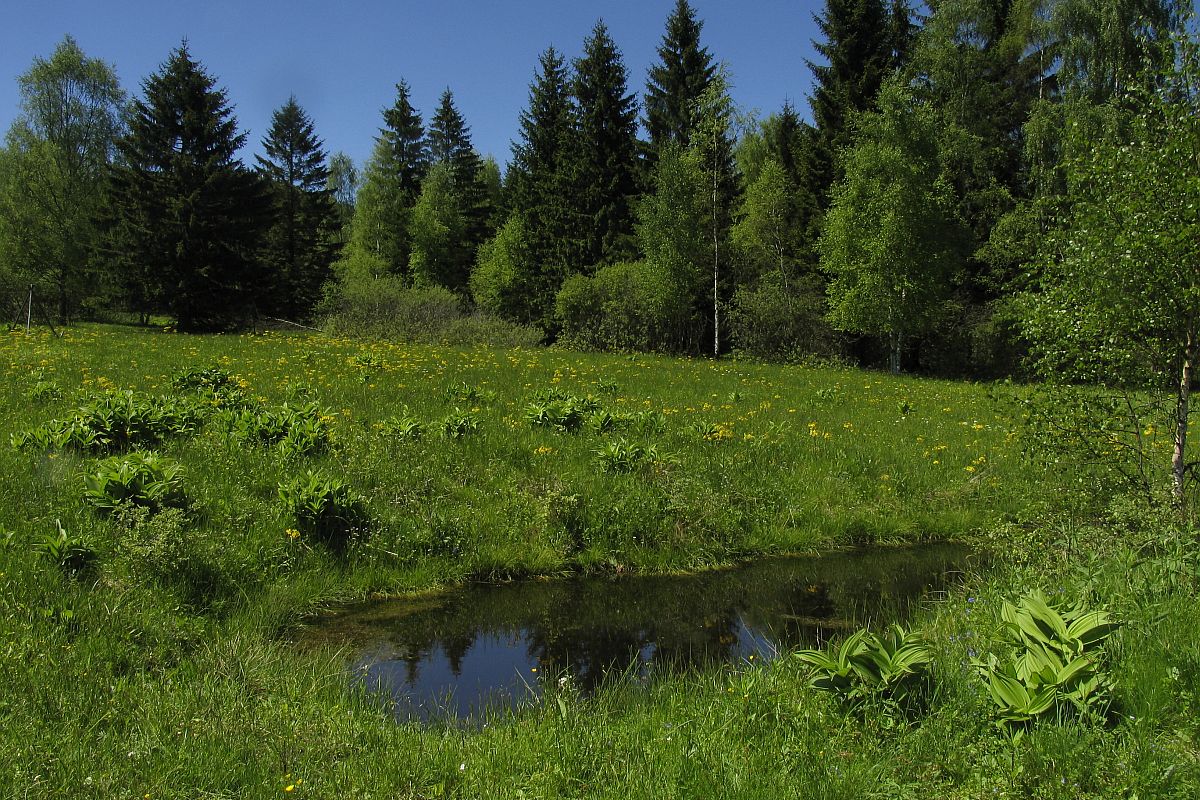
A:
(484, 646)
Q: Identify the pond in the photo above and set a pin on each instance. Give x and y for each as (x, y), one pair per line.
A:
(482, 647)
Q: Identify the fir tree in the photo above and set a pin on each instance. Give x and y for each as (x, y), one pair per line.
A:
(675, 84)
(540, 190)
(184, 208)
(606, 173)
(450, 144)
(860, 52)
(391, 183)
(300, 245)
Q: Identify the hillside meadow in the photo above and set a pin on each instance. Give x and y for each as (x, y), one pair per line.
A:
(174, 507)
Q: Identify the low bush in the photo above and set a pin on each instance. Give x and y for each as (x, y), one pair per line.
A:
(139, 479)
(115, 421)
(384, 307)
(323, 509)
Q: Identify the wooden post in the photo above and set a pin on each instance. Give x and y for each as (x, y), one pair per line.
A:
(29, 310)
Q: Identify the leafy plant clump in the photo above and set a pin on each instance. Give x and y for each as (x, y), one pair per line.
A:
(139, 479)
(890, 670)
(295, 430)
(623, 456)
(404, 427)
(68, 553)
(325, 509)
(565, 413)
(114, 422)
(218, 387)
(459, 425)
(1053, 665)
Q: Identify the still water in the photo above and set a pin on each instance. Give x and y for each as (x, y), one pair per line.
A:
(481, 647)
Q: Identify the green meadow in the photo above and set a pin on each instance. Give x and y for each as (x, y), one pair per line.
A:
(175, 507)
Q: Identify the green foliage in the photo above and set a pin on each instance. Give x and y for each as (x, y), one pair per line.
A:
(391, 183)
(139, 478)
(869, 669)
(541, 195)
(186, 215)
(620, 455)
(113, 422)
(1053, 666)
(565, 413)
(405, 427)
(70, 554)
(438, 232)
(781, 322)
(675, 83)
(632, 306)
(891, 241)
(465, 189)
(459, 424)
(325, 509)
(605, 167)
(296, 431)
(52, 174)
(505, 281)
(300, 244)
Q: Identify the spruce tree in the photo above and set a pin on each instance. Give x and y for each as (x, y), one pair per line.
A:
(675, 84)
(301, 243)
(540, 190)
(450, 144)
(184, 208)
(606, 174)
(391, 183)
(860, 52)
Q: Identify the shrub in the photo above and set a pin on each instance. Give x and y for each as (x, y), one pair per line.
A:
(322, 508)
(139, 479)
(891, 670)
(772, 322)
(630, 306)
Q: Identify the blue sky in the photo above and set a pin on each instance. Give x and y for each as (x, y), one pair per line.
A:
(342, 60)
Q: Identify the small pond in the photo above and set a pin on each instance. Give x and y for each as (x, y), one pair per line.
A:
(482, 647)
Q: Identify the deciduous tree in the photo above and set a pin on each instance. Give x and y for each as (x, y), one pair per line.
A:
(56, 158)
(891, 241)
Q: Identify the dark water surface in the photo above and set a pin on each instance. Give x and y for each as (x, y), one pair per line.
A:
(479, 647)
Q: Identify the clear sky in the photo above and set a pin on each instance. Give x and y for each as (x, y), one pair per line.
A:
(342, 60)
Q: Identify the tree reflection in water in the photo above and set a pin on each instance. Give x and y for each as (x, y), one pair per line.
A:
(483, 646)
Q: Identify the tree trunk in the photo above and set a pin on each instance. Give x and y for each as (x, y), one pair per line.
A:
(716, 268)
(1182, 403)
(895, 341)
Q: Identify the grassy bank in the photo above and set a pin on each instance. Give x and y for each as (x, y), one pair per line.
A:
(143, 652)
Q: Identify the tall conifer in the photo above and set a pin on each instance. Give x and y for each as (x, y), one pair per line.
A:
(391, 183)
(607, 163)
(301, 243)
(184, 208)
(860, 52)
(450, 144)
(675, 84)
(540, 187)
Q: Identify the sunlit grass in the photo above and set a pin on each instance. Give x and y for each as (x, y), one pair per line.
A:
(163, 669)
